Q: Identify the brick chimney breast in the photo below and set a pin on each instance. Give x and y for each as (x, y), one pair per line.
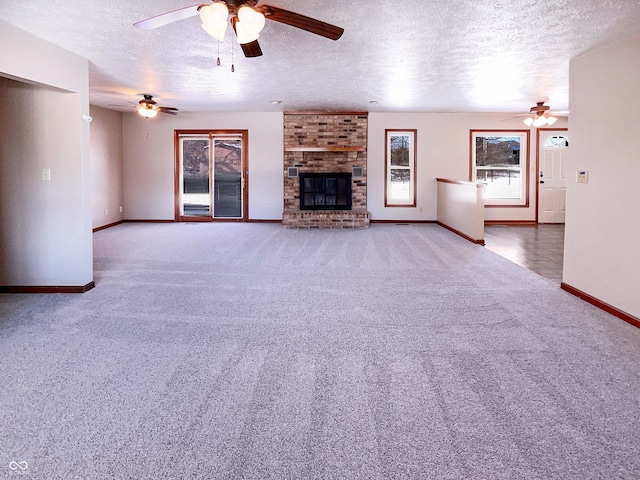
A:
(325, 143)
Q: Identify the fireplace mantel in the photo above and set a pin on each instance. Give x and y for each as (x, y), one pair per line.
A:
(337, 148)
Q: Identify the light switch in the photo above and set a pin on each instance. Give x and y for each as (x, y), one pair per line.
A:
(46, 174)
(583, 176)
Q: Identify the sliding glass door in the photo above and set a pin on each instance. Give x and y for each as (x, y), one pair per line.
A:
(227, 177)
(211, 168)
(195, 197)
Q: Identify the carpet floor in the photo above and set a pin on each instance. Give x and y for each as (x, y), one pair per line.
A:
(249, 351)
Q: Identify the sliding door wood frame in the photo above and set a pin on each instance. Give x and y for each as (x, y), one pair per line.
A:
(244, 177)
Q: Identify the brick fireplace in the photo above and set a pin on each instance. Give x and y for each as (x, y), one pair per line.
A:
(331, 145)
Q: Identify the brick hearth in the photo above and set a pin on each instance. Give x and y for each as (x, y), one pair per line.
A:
(325, 143)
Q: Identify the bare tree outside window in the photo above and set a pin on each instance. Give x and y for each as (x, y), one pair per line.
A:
(399, 150)
(400, 159)
(499, 159)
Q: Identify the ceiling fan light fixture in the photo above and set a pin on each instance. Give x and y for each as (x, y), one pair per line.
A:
(147, 111)
(540, 116)
(214, 19)
(252, 21)
(243, 35)
(215, 33)
(540, 121)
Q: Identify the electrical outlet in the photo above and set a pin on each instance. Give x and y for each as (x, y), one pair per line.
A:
(106, 212)
(266, 207)
(121, 209)
(420, 209)
(46, 174)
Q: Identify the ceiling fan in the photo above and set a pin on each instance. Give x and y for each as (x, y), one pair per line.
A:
(247, 19)
(540, 116)
(148, 108)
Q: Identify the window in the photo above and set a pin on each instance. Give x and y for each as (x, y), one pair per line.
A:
(556, 141)
(400, 168)
(500, 160)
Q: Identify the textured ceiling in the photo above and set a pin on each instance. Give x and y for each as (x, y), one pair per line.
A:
(415, 55)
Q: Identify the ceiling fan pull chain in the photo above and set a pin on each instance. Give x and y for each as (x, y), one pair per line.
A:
(218, 61)
(233, 68)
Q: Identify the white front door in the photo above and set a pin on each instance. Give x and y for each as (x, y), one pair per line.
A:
(552, 175)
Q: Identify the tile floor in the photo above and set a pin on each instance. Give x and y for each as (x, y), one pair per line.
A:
(539, 248)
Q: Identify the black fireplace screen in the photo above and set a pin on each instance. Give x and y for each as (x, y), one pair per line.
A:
(325, 191)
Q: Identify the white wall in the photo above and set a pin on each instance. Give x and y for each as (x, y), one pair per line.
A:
(46, 239)
(149, 161)
(442, 151)
(461, 207)
(602, 239)
(106, 166)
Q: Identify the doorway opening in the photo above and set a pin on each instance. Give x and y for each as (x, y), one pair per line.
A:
(540, 247)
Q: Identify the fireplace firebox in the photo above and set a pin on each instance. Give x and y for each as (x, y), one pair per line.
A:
(325, 191)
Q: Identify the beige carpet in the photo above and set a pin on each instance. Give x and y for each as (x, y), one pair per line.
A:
(248, 351)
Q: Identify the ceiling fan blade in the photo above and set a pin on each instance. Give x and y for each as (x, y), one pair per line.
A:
(169, 110)
(300, 21)
(251, 49)
(168, 17)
